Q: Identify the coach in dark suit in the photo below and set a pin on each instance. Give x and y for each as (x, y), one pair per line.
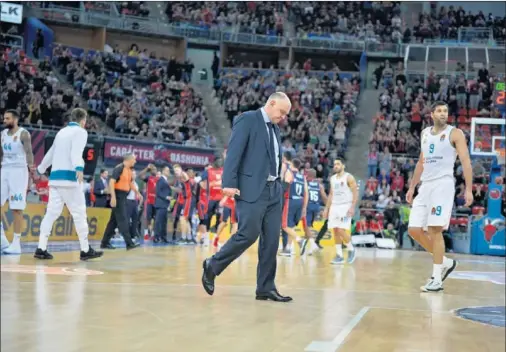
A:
(162, 203)
(101, 190)
(251, 174)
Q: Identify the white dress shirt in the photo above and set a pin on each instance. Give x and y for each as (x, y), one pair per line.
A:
(276, 145)
(132, 195)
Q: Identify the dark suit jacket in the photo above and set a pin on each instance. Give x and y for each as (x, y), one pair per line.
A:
(248, 156)
(162, 192)
(101, 199)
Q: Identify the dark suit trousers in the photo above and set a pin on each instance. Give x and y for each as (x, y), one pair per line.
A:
(263, 218)
(161, 218)
(101, 201)
(133, 217)
(119, 219)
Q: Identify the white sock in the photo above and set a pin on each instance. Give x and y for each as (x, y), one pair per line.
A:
(5, 241)
(447, 261)
(82, 230)
(16, 240)
(349, 246)
(339, 250)
(43, 241)
(436, 272)
(83, 241)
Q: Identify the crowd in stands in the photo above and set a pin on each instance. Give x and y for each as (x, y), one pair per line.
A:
(323, 107)
(444, 23)
(34, 90)
(133, 8)
(143, 98)
(382, 22)
(98, 6)
(264, 18)
(378, 21)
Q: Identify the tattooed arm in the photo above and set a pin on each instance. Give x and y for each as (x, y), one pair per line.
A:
(26, 139)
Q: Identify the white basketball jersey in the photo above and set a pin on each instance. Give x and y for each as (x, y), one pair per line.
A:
(438, 153)
(13, 152)
(341, 191)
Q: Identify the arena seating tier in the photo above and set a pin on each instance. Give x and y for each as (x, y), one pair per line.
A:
(265, 18)
(323, 106)
(34, 90)
(141, 97)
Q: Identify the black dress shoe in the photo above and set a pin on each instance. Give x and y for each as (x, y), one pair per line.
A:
(208, 277)
(164, 240)
(40, 254)
(107, 246)
(91, 254)
(132, 246)
(273, 296)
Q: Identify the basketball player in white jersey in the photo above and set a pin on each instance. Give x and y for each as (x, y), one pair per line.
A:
(432, 208)
(17, 164)
(66, 184)
(340, 209)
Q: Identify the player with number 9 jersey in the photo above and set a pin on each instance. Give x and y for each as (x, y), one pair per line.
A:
(434, 204)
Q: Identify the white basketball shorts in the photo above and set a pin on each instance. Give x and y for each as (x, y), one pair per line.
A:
(434, 204)
(338, 218)
(14, 187)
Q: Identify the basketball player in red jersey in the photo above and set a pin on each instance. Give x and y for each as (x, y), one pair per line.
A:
(202, 204)
(285, 169)
(178, 206)
(228, 205)
(151, 181)
(191, 192)
(186, 209)
(213, 179)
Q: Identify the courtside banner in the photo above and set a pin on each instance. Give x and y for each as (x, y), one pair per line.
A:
(326, 241)
(165, 154)
(63, 228)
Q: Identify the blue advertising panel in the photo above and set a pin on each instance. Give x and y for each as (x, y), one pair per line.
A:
(488, 236)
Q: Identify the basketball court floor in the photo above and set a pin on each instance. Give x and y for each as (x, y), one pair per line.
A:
(151, 299)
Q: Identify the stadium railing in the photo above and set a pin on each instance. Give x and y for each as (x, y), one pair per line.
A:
(12, 41)
(99, 136)
(452, 60)
(211, 35)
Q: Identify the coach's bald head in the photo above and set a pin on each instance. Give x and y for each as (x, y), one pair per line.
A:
(277, 107)
(129, 160)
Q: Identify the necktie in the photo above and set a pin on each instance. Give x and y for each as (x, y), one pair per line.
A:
(272, 171)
